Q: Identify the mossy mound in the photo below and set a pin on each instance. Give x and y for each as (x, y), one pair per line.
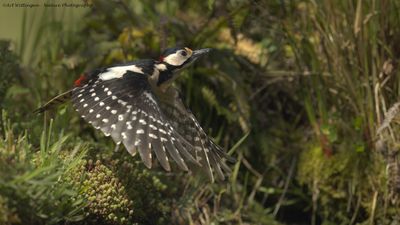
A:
(122, 191)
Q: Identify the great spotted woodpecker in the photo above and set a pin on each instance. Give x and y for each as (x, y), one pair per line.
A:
(136, 105)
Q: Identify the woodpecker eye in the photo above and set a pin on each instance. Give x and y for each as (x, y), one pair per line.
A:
(183, 53)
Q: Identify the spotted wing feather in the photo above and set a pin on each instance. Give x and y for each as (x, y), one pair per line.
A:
(209, 154)
(126, 109)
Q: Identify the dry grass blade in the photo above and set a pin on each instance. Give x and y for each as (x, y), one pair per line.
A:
(389, 117)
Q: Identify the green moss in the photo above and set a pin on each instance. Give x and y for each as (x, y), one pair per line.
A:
(107, 197)
(343, 184)
(313, 165)
(122, 191)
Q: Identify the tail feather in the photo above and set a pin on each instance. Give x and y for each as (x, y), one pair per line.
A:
(57, 100)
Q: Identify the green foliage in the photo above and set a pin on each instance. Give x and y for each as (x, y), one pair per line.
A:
(7, 215)
(121, 191)
(345, 49)
(9, 70)
(32, 179)
(338, 182)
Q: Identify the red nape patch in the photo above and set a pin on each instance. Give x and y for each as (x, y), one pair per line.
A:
(161, 58)
(80, 80)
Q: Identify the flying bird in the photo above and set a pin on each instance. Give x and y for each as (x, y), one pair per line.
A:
(137, 106)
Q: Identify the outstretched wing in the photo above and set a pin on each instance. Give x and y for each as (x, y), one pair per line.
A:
(182, 119)
(126, 109)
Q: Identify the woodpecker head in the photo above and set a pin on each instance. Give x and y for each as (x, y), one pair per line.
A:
(172, 60)
(178, 57)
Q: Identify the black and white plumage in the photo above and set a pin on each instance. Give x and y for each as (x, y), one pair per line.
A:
(136, 105)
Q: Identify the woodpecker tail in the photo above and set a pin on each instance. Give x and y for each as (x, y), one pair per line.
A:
(57, 100)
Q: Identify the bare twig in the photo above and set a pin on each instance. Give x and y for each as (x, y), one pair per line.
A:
(287, 182)
(282, 73)
(353, 218)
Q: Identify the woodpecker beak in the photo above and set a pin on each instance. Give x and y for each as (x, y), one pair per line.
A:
(197, 53)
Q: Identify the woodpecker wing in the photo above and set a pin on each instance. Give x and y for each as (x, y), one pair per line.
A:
(182, 119)
(123, 106)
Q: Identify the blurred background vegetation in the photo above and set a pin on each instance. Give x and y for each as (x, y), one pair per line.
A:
(303, 93)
